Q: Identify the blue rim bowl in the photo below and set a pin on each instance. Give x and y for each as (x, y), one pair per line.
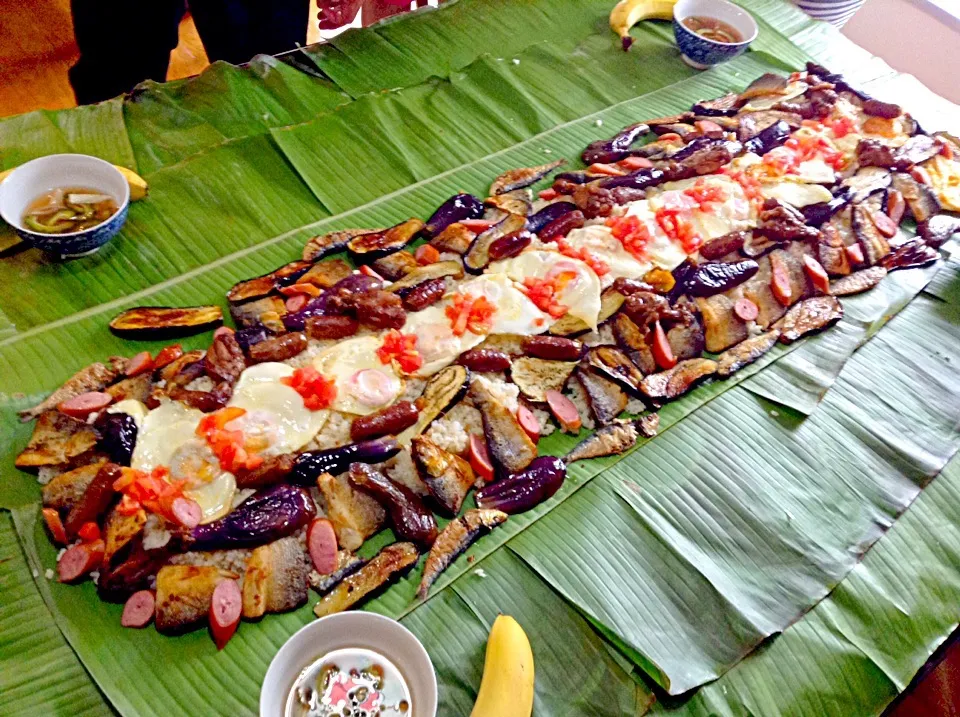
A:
(700, 52)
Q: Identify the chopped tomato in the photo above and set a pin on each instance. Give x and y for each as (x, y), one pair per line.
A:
(470, 313)
(141, 363)
(167, 355)
(670, 137)
(817, 274)
(855, 253)
(632, 233)
(218, 420)
(946, 149)
(296, 302)
(840, 126)
(547, 195)
(706, 196)
(367, 271)
(89, 532)
(544, 292)
(750, 186)
(480, 458)
(480, 225)
(318, 392)
(782, 160)
(606, 169)
(591, 259)
(153, 491)
(780, 283)
(632, 164)
(52, 518)
(426, 254)
(662, 351)
(300, 289)
(679, 229)
(921, 175)
(401, 348)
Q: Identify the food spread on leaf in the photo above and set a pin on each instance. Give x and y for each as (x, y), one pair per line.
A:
(204, 487)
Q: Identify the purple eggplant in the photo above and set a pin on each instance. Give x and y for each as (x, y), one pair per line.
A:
(118, 436)
(538, 221)
(526, 489)
(251, 336)
(297, 321)
(715, 278)
(455, 209)
(773, 136)
(642, 179)
(818, 214)
(266, 516)
(311, 464)
(616, 148)
(353, 284)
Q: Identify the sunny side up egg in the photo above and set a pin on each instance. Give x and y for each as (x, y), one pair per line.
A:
(364, 384)
(600, 241)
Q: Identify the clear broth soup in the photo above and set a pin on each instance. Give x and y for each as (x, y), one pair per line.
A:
(69, 209)
(712, 29)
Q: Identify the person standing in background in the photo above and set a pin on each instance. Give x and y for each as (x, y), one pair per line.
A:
(123, 43)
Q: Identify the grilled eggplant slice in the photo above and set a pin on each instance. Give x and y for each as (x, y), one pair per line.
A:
(610, 302)
(615, 148)
(355, 515)
(347, 564)
(455, 538)
(455, 209)
(725, 106)
(610, 440)
(276, 578)
(535, 376)
(612, 363)
(422, 274)
(478, 255)
(873, 243)
(605, 398)
(184, 593)
(261, 286)
(90, 378)
(510, 447)
(320, 246)
(916, 150)
(395, 266)
(442, 392)
(265, 312)
(858, 282)
(722, 327)
(808, 316)
(519, 201)
(630, 338)
(56, 440)
(66, 489)
(455, 239)
(745, 353)
(165, 322)
(921, 200)
(678, 380)
(369, 247)
(325, 274)
(514, 179)
(447, 476)
(375, 574)
(910, 255)
(867, 181)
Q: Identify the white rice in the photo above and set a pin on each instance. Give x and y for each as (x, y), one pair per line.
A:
(412, 389)
(545, 419)
(233, 560)
(401, 469)
(452, 432)
(305, 357)
(635, 405)
(603, 336)
(47, 474)
(95, 576)
(335, 432)
(48, 574)
(505, 392)
(155, 533)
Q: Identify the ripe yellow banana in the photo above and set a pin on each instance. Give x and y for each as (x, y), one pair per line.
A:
(628, 13)
(138, 185)
(506, 689)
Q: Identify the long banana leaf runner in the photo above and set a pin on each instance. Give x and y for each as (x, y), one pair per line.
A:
(203, 285)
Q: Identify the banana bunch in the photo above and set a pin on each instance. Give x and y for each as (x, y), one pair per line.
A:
(138, 185)
(628, 13)
(506, 689)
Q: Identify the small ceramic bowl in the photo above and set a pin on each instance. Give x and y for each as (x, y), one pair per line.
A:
(363, 630)
(38, 176)
(700, 52)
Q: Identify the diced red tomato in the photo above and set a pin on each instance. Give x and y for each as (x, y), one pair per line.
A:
(470, 313)
(544, 292)
(478, 225)
(662, 351)
(632, 233)
(367, 271)
(89, 532)
(632, 164)
(707, 196)
(608, 170)
(304, 289)
(591, 259)
(679, 229)
(426, 254)
(528, 422)
(670, 137)
(480, 458)
(841, 126)
(817, 274)
(855, 253)
(318, 392)
(141, 363)
(167, 355)
(946, 149)
(401, 348)
(52, 518)
(564, 410)
(780, 283)
(548, 195)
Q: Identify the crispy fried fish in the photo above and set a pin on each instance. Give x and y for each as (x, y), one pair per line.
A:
(745, 353)
(92, 378)
(456, 537)
(808, 316)
(381, 568)
(858, 282)
(678, 380)
(617, 437)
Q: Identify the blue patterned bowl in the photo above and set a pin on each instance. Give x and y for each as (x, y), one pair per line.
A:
(38, 176)
(700, 52)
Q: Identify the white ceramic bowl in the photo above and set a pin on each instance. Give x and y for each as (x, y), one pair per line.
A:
(38, 176)
(698, 51)
(344, 630)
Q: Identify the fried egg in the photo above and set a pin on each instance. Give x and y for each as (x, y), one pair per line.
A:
(276, 421)
(364, 384)
(766, 102)
(600, 241)
(162, 431)
(436, 342)
(132, 407)
(945, 181)
(795, 193)
(515, 313)
(581, 287)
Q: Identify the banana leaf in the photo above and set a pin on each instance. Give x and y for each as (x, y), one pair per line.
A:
(657, 570)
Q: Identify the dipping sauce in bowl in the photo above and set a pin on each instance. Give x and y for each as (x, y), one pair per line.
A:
(712, 28)
(351, 682)
(69, 209)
